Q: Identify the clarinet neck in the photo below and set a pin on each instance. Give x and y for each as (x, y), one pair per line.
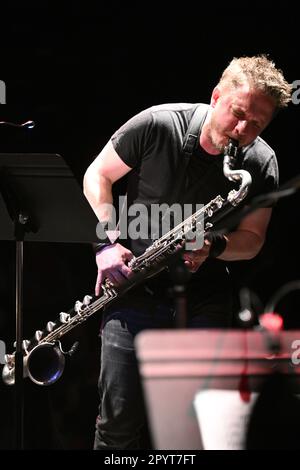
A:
(242, 177)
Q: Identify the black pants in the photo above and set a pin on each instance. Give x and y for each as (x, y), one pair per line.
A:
(121, 410)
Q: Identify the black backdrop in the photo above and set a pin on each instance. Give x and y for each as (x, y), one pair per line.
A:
(79, 69)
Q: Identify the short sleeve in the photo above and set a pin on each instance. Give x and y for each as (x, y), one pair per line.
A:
(132, 139)
(261, 162)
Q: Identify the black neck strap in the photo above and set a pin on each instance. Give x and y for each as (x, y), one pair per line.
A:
(191, 137)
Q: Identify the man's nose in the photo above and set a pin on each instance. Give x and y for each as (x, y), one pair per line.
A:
(240, 128)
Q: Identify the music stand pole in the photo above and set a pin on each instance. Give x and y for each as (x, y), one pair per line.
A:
(22, 223)
(19, 386)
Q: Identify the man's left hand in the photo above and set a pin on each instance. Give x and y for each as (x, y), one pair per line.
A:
(194, 258)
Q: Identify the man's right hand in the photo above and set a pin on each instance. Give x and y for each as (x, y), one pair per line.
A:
(112, 264)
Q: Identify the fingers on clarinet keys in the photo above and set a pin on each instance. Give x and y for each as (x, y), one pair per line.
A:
(108, 283)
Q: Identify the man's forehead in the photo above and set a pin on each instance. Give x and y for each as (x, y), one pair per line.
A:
(253, 102)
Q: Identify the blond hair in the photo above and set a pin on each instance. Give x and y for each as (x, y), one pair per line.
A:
(261, 74)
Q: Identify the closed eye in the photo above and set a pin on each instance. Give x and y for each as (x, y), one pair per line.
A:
(257, 125)
(238, 115)
(241, 117)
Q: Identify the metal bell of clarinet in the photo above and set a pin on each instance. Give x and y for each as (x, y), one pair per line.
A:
(44, 358)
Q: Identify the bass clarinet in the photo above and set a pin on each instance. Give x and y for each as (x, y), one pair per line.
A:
(44, 358)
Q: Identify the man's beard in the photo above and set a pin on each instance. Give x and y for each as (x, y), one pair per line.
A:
(217, 139)
(218, 145)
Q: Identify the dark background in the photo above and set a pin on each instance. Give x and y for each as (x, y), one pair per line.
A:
(79, 69)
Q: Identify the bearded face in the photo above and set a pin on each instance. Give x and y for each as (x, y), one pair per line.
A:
(241, 114)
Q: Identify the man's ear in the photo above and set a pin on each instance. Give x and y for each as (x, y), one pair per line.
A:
(215, 96)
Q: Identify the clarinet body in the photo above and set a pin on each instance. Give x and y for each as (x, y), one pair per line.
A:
(44, 358)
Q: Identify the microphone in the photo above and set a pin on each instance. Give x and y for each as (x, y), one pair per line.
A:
(280, 293)
(287, 189)
(224, 225)
(26, 125)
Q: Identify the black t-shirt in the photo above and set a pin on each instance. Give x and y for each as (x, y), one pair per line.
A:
(151, 144)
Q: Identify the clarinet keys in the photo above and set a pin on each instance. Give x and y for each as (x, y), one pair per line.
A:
(38, 335)
(87, 300)
(64, 317)
(50, 326)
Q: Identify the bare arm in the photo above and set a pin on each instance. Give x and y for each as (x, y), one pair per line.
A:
(244, 243)
(99, 178)
(97, 186)
(248, 239)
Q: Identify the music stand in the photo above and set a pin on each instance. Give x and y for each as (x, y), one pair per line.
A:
(41, 202)
(182, 369)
